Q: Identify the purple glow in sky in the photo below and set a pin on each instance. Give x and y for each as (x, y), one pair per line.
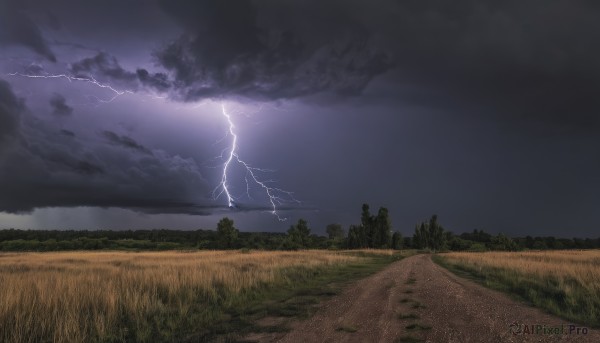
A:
(480, 112)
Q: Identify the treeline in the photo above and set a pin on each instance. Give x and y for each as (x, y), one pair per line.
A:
(431, 235)
(374, 231)
(486, 241)
(56, 240)
(226, 236)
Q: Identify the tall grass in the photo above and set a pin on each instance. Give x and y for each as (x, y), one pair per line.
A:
(147, 296)
(566, 283)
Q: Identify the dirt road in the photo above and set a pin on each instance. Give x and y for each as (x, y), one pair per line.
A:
(415, 300)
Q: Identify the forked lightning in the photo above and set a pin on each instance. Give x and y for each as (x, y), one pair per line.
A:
(276, 196)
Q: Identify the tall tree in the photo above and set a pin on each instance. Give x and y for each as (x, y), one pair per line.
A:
(367, 221)
(430, 235)
(299, 235)
(437, 239)
(354, 237)
(417, 240)
(227, 234)
(383, 229)
(421, 238)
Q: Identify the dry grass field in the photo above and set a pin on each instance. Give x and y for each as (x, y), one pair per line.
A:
(143, 296)
(566, 283)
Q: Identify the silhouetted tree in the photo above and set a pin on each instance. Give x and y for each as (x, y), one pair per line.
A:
(382, 229)
(353, 237)
(227, 234)
(437, 239)
(539, 244)
(421, 237)
(397, 241)
(430, 235)
(503, 242)
(367, 223)
(299, 235)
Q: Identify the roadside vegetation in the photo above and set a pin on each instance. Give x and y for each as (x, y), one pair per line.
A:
(167, 296)
(565, 283)
(374, 232)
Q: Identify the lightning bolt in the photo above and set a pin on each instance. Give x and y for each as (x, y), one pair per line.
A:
(71, 78)
(276, 196)
(232, 154)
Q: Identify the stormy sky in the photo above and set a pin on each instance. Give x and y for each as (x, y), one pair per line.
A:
(482, 112)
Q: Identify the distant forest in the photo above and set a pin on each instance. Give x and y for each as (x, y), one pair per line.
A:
(374, 231)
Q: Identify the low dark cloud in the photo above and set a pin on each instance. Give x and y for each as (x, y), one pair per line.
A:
(17, 28)
(62, 161)
(126, 142)
(45, 168)
(59, 106)
(225, 51)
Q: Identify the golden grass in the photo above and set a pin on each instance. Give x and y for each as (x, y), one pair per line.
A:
(380, 252)
(564, 282)
(564, 266)
(91, 296)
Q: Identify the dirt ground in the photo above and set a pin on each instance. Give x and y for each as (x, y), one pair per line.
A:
(415, 300)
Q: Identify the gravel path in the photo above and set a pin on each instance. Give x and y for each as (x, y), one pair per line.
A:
(416, 300)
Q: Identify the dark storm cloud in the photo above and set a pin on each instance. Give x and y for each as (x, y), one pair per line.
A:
(452, 95)
(523, 62)
(157, 81)
(59, 106)
(63, 161)
(103, 64)
(108, 67)
(533, 62)
(225, 51)
(518, 60)
(126, 142)
(10, 109)
(16, 28)
(40, 167)
(67, 133)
